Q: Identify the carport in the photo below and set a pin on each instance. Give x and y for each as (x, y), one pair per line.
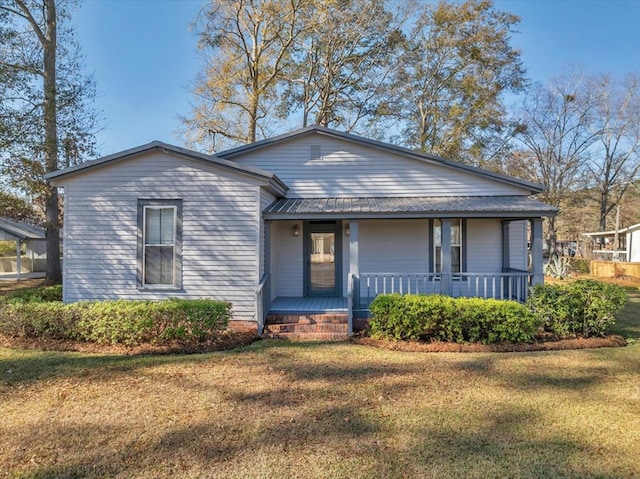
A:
(21, 233)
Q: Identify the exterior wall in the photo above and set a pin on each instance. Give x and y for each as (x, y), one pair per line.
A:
(484, 250)
(633, 246)
(349, 169)
(219, 241)
(286, 260)
(518, 252)
(394, 246)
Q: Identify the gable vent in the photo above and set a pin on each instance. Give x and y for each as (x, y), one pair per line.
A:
(315, 152)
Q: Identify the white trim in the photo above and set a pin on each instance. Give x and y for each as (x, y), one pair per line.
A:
(144, 246)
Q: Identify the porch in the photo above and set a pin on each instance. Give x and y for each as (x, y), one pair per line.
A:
(320, 261)
(330, 318)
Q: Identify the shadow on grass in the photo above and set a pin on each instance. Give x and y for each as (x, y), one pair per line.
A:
(361, 447)
(628, 320)
(19, 366)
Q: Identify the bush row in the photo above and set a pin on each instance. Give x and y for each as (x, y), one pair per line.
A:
(115, 322)
(451, 319)
(584, 307)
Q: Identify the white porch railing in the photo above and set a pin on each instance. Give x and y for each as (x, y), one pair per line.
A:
(610, 255)
(513, 285)
(263, 301)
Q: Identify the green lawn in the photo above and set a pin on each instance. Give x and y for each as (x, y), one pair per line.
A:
(278, 409)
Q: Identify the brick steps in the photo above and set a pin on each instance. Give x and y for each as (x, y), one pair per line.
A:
(309, 327)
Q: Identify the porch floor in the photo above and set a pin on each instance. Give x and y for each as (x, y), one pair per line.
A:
(308, 305)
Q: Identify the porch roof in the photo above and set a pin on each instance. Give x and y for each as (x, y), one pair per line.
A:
(408, 207)
(13, 230)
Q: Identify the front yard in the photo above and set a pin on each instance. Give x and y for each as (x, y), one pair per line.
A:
(278, 409)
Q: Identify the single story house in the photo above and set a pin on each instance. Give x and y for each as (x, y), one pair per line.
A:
(310, 223)
(627, 249)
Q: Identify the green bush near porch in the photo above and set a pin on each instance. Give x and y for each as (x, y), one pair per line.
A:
(38, 313)
(451, 319)
(585, 307)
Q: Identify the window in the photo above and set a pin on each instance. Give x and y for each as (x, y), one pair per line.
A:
(456, 245)
(159, 248)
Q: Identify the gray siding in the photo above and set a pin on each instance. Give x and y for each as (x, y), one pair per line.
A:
(394, 246)
(518, 253)
(348, 169)
(286, 259)
(220, 231)
(484, 246)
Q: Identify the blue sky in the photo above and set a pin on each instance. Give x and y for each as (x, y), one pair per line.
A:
(143, 54)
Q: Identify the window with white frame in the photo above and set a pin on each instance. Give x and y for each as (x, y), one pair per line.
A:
(456, 245)
(159, 249)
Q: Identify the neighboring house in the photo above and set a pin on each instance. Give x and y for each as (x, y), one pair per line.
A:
(314, 221)
(33, 237)
(628, 249)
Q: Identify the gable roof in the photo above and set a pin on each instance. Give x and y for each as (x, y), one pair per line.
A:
(378, 145)
(21, 231)
(276, 184)
(628, 229)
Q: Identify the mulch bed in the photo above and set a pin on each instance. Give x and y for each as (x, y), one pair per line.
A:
(237, 339)
(225, 340)
(446, 347)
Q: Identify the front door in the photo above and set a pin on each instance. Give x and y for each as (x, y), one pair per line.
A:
(323, 258)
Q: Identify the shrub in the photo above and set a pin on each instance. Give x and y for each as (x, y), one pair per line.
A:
(558, 267)
(580, 265)
(585, 307)
(451, 319)
(115, 322)
(35, 295)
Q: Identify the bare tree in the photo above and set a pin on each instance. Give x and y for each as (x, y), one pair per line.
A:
(556, 130)
(615, 161)
(44, 96)
(341, 61)
(244, 43)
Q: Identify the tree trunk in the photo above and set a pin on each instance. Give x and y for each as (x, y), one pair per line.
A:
(604, 207)
(52, 227)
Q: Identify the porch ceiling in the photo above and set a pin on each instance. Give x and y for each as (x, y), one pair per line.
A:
(409, 207)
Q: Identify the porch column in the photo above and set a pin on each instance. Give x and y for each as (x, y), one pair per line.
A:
(354, 269)
(267, 258)
(506, 243)
(18, 258)
(446, 284)
(536, 250)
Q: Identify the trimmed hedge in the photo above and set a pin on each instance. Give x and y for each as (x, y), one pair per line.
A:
(451, 319)
(114, 322)
(584, 307)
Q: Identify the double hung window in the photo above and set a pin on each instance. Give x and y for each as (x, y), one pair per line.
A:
(456, 245)
(160, 248)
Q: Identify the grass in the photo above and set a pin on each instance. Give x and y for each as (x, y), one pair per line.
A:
(278, 409)
(338, 410)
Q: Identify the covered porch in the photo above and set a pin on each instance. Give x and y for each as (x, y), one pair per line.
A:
(490, 248)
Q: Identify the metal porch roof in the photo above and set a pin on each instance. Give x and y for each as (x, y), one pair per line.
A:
(21, 231)
(408, 207)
